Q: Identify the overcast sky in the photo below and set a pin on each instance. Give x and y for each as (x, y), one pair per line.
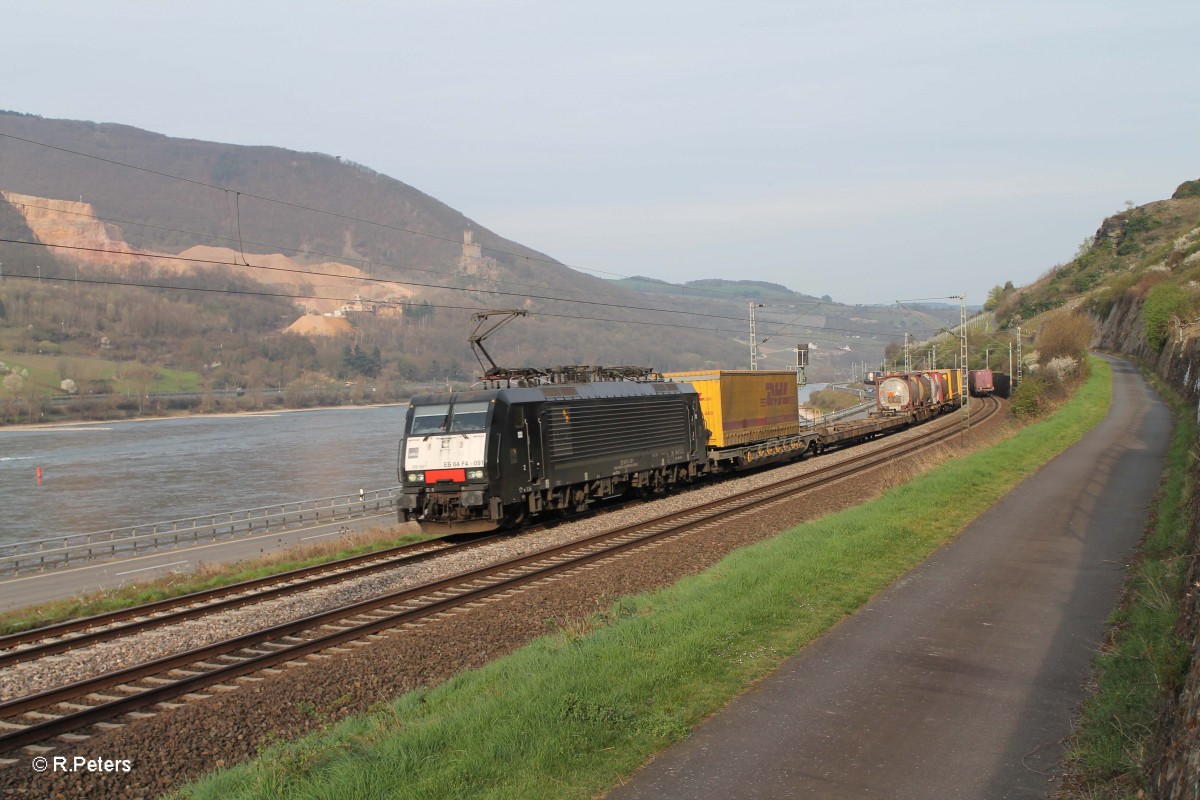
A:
(872, 151)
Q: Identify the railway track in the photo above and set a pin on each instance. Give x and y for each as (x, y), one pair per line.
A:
(85, 631)
(166, 683)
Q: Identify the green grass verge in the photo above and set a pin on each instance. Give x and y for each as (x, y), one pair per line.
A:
(1147, 660)
(23, 619)
(570, 714)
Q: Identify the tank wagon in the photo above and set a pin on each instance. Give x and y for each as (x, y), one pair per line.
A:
(922, 393)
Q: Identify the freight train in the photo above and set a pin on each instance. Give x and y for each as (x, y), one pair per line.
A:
(494, 458)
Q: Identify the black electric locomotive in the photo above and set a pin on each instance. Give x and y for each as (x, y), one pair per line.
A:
(479, 460)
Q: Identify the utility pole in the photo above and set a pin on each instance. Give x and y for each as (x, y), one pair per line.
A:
(753, 336)
(962, 345)
(1020, 360)
(962, 362)
(907, 355)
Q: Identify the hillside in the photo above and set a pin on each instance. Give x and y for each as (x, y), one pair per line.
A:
(1138, 275)
(236, 235)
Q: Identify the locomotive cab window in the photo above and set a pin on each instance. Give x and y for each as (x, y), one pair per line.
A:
(469, 418)
(430, 419)
(445, 418)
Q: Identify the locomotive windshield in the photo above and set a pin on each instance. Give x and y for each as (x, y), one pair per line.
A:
(469, 418)
(430, 419)
(444, 418)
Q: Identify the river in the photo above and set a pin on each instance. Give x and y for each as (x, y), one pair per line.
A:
(115, 474)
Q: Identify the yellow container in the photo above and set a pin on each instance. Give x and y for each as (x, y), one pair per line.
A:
(745, 406)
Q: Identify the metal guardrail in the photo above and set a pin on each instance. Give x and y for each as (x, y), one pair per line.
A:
(851, 411)
(823, 419)
(61, 551)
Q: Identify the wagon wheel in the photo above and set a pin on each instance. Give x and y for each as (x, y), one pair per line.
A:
(516, 518)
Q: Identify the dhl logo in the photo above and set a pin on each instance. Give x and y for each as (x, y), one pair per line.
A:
(779, 394)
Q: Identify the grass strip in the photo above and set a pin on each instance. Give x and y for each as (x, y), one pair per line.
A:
(210, 577)
(1146, 660)
(572, 713)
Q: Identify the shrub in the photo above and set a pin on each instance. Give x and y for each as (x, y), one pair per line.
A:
(1162, 302)
(1032, 396)
(1187, 189)
(1065, 335)
(1141, 222)
(1062, 368)
(1083, 282)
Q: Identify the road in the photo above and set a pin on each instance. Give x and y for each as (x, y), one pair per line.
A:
(961, 680)
(58, 584)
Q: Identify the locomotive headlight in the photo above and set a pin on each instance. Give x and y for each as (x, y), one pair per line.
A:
(414, 477)
(474, 473)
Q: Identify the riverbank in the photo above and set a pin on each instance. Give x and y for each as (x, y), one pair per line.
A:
(183, 414)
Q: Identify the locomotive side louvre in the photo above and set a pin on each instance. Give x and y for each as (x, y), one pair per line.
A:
(634, 433)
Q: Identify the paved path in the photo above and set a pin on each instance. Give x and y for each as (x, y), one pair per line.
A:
(960, 680)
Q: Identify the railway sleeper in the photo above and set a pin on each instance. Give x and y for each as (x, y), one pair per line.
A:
(159, 681)
(42, 715)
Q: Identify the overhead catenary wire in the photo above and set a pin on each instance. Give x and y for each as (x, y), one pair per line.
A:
(297, 296)
(335, 214)
(309, 273)
(296, 251)
(134, 254)
(387, 281)
(347, 217)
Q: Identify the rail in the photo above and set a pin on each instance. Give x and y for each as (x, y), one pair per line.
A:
(72, 549)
